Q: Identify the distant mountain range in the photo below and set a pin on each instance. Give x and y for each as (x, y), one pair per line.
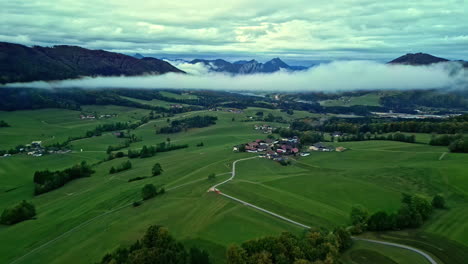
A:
(416, 59)
(247, 67)
(20, 63)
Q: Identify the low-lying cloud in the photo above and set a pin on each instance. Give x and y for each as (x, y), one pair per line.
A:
(335, 76)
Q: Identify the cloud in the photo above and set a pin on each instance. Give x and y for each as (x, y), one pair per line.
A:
(193, 69)
(335, 76)
(316, 29)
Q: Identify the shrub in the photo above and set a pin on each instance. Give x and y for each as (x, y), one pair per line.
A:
(438, 201)
(149, 191)
(137, 178)
(156, 170)
(20, 212)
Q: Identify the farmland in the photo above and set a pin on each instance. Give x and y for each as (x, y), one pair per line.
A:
(81, 221)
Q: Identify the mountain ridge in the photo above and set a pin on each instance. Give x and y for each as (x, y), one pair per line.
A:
(247, 67)
(19, 63)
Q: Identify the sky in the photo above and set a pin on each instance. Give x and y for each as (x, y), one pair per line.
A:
(296, 31)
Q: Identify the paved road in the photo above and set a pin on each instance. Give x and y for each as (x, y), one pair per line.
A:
(233, 174)
(422, 253)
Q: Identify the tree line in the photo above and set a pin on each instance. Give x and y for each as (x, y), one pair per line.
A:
(186, 123)
(313, 246)
(156, 246)
(414, 210)
(45, 181)
(150, 151)
(122, 167)
(131, 138)
(451, 126)
(368, 136)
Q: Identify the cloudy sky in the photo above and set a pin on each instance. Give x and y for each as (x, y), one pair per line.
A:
(297, 31)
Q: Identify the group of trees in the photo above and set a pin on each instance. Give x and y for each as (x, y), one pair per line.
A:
(305, 137)
(150, 151)
(156, 246)
(122, 167)
(149, 191)
(455, 143)
(368, 136)
(4, 124)
(46, 181)
(131, 138)
(459, 145)
(97, 131)
(414, 210)
(20, 212)
(186, 123)
(412, 99)
(26, 98)
(314, 246)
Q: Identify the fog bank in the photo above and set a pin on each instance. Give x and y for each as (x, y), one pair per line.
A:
(335, 76)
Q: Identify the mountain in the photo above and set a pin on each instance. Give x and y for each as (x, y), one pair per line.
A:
(20, 63)
(417, 59)
(247, 67)
(138, 56)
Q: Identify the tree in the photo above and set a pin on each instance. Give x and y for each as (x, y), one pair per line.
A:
(236, 255)
(149, 191)
(157, 169)
(211, 177)
(359, 215)
(344, 239)
(438, 201)
(197, 256)
(112, 170)
(379, 221)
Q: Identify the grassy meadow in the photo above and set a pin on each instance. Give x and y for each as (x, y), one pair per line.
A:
(81, 221)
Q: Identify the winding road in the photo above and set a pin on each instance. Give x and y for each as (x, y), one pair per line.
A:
(214, 189)
(233, 174)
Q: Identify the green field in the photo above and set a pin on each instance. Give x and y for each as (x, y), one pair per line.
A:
(81, 221)
(371, 99)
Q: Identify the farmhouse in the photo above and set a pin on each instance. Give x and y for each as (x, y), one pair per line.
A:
(87, 117)
(277, 150)
(320, 147)
(267, 129)
(340, 149)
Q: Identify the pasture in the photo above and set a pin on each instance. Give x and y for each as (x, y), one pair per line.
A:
(318, 190)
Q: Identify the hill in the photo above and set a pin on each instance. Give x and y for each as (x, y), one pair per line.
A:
(417, 59)
(247, 67)
(20, 63)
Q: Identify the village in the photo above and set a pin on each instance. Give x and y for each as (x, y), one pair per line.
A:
(95, 116)
(35, 149)
(282, 149)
